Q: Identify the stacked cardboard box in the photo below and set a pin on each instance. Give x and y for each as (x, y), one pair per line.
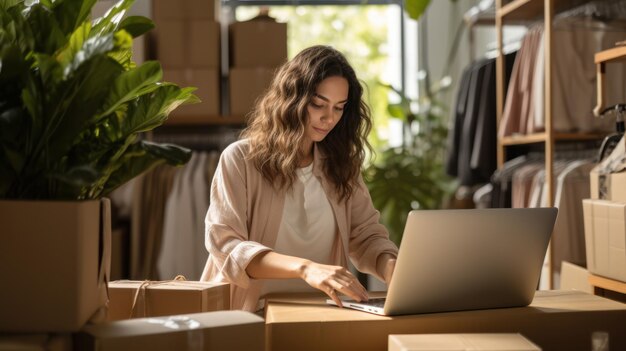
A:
(605, 216)
(187, 44)
(257, 48)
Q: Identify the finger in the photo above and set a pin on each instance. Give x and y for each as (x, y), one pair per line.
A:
(353, 294)
(333, 295)
(354, 285)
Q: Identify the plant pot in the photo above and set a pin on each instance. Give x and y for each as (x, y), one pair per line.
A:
(54, 264)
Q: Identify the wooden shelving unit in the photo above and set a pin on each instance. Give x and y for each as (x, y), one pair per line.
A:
(515, 12)
(600, 284)
(602, 58)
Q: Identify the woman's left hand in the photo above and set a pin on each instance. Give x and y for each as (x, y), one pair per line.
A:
(385, 266)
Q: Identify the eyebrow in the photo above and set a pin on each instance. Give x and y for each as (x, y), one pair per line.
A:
(326, 99)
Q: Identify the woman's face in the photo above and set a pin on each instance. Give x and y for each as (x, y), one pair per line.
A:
(326, 107)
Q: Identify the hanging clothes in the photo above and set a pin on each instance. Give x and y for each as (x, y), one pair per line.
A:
(472, 141)
(575, 40)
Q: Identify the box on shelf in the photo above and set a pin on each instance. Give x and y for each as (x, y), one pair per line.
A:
(460, 342)
(246, 86)
(165, 298)
(187, 44)
(204, 44)
(555, 320)
(184, 9)
(208, 83)
(608, 186)
(608, 178)
(214, 331)
(55, 259)
(259, 42)
(605, 238)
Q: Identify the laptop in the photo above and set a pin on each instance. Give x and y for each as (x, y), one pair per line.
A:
(455, 260)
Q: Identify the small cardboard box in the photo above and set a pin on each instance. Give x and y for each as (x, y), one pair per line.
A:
(204, 44)
(610, 186)
(605, 238)
(171, 43)
(188, 44)
(461, 342)
(208, 83)
(555, 320)
(214, 331)
(167, 298)
(259, 42)
(246, 86)
(54, 262)
(184, 9)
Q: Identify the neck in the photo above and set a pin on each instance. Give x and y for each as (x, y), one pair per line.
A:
(307, 156)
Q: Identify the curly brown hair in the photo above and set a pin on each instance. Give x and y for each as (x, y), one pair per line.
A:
(277, 123)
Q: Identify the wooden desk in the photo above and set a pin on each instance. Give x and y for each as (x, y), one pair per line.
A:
(608, 288)
(556, 320)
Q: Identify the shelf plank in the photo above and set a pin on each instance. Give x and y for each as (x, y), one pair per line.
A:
(528, 10)
(542, 137)
(611, 55)
(607, 284)
(205, 120)
(523, 139)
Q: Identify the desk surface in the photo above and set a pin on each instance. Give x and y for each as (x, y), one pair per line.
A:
(555, 320)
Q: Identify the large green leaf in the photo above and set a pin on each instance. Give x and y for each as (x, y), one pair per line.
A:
(137, 25)
(141, 157)
(129, 84)
(71, 13)
(151, 110)
(110, 22)
(47, 33)
(415, 8)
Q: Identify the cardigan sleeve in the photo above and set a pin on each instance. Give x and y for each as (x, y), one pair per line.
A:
(227, 234)
(368, 238)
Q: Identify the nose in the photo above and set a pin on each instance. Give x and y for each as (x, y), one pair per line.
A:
(329, 115)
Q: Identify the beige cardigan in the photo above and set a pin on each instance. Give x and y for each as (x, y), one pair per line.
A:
(244, 217)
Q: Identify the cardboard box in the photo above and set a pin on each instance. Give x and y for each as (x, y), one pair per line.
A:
(188, 44)
(54, 261)
(214, 331)
(555, 320)
(166, 298)
(574, 277)
(461, 342)
(36, 342)
(246, 86)
(204, 44)
(609, 186)
(260, 42)
(170, 43)
(184, 9)
(605, 238)
(208, 83)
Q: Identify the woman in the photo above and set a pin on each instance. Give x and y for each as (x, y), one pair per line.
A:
(288, 204)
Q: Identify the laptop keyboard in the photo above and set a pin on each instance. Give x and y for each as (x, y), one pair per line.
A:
(378, 302)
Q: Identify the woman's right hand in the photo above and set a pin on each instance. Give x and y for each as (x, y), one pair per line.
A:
(333, 279)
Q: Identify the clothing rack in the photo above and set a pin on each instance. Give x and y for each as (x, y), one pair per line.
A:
(514, 12)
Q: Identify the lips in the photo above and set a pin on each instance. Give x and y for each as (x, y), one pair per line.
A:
(322, 131)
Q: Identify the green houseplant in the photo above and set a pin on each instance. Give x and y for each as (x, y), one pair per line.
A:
(411, 176)
(72, 107)
(73, 103)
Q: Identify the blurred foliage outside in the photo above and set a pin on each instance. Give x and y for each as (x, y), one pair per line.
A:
(360, 32)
